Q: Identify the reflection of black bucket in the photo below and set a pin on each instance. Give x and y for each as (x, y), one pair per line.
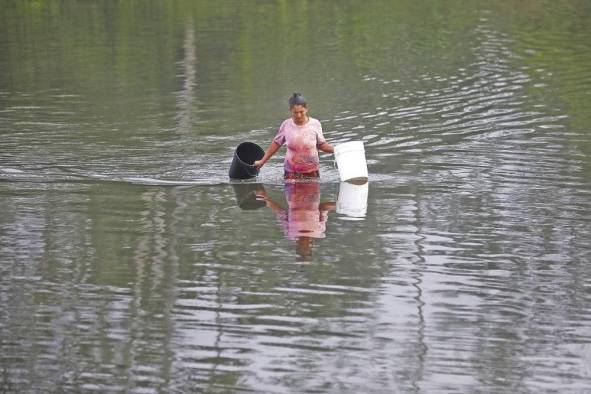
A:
(244, 156)
(246, 197)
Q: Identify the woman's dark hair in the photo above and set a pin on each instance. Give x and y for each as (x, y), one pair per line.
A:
(297, 99)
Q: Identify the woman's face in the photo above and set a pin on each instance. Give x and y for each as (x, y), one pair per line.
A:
(299, 114)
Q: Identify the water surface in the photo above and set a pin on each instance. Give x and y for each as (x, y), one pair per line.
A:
(129, 262)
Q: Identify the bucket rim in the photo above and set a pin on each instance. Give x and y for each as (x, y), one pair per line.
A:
(349, 145)
(248, 143)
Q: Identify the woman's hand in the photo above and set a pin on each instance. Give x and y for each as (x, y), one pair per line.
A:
(261, 195)
(258, 164)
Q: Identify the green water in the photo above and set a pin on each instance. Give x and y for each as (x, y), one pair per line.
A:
(129, 262)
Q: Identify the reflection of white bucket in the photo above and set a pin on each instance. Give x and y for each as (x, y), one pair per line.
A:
(350, 158)
(352, 200)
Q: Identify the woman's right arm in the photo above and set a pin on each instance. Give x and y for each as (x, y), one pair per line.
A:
(270, 152)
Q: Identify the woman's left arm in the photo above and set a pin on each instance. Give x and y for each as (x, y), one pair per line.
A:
(326, 147)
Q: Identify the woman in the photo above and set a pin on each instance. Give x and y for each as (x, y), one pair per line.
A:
(303, 137)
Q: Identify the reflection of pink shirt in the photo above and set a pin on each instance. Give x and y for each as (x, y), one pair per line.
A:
(303, 218)
(302, 142)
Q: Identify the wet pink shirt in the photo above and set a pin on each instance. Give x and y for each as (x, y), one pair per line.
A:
(302, 144)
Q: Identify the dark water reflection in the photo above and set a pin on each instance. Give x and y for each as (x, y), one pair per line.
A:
(145, 293)
(130, 263)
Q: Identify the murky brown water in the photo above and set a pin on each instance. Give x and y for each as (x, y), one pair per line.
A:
(130, 263)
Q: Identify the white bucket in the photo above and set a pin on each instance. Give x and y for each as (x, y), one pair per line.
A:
(350, 159)
(352, 200)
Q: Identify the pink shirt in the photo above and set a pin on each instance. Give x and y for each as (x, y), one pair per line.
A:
(302, 143)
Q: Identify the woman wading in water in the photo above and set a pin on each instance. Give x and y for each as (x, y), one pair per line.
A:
(303, 137)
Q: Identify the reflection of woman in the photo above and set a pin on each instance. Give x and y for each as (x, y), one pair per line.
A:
(305, 217)
(303, 137)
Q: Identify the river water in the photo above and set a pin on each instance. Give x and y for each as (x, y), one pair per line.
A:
(130, 263)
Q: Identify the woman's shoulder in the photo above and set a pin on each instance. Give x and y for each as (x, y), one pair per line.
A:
(286, 122)
(314, 121)
(315, 125)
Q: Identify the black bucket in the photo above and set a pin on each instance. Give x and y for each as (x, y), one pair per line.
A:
(244, 156)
